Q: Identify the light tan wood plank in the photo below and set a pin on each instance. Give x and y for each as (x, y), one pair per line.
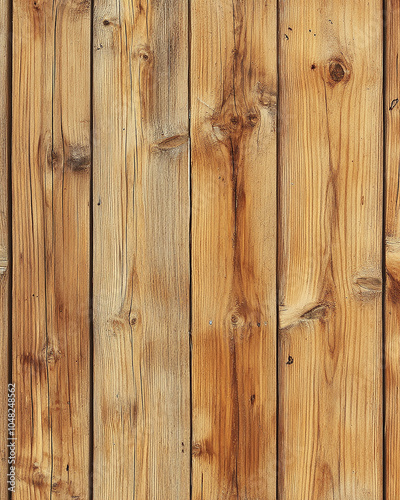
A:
(233, 137)
(141, 250)
(330, 267)
(51, 158)
(5, 110)
(392, 311)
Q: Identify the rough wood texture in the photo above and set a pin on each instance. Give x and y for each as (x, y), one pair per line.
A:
(392, 296)
(141, 250)
(4, 234)
(206, 209)
(233, 137)
(331, 169)
(51, 198)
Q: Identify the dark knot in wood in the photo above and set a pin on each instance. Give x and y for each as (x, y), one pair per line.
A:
(336, 71)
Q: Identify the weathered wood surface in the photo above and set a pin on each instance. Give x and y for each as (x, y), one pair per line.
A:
(51, 157)
(182, 173)
(5, 110)
(392, 296)
(330, 250)
(233, 139)
(141, 250)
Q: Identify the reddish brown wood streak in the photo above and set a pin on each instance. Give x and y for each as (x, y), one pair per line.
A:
(232, 144)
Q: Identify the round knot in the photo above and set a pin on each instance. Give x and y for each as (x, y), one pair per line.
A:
(234, 319)
(336, 71)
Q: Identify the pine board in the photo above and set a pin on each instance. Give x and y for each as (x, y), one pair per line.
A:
(141, 269)
(330, 250)
(233, 159)
(51, 159)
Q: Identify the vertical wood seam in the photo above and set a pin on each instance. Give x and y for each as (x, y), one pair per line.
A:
(384, 200)
(189, 49)
(91, 266)
(277, 246)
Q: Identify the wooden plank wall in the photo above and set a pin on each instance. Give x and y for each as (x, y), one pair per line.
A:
(199, 249)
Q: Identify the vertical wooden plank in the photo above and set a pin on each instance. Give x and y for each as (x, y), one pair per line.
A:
(233, 137)
(51, 158)
(331, 170)
(5, 79)
(141, 250)
(392, 295)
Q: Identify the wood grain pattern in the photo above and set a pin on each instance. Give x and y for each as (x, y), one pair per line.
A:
(392, 233)
(331, 170)
(5, 110)
(168, 201)
(51, 158)
(141, 250)
(233, 137)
